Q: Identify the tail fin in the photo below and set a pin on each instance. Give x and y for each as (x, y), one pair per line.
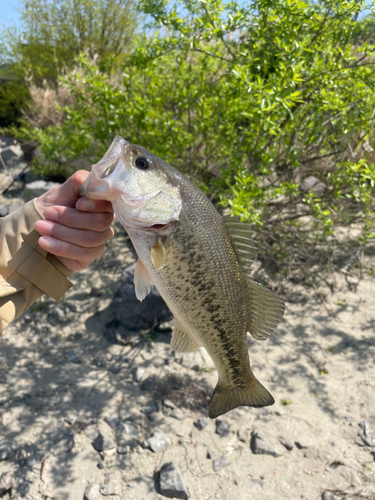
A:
(225, 398)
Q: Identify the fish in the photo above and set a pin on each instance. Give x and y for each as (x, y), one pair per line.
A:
(199, 261)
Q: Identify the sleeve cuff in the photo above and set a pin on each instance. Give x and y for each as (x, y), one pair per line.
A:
(28, 259)
(44, 275)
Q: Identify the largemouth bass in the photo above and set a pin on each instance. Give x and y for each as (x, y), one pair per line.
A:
(199, 262)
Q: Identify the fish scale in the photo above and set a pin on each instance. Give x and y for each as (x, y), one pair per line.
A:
(199, 262)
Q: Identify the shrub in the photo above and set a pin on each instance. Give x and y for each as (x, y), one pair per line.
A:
(247, 100)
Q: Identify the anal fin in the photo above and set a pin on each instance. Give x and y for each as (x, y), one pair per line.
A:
(142, 281)
(181, 341)
(227, 397)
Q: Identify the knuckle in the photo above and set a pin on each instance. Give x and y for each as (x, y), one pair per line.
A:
(104, 220)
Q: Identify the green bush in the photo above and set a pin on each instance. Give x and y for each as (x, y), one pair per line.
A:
(248, 100)
(51, 36)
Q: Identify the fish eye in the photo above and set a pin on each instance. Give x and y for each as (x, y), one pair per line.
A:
(108, 171)
(141, 163)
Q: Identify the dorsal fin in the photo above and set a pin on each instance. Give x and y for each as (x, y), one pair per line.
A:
(241, 235)
(265, 308)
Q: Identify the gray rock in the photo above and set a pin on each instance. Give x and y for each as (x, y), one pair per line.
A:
(158, 442)
(123, 449)
(201, 423)
(11, 155)
(56, 316)
(241, 436)
(132, 313)
(177, 414)
(37, 188)
(169, 404)
(34, 461)
(301, 445)
(222, 428)
(3, 210)
(289, 445)
(96, 292)
(366, 433)
(138, 374)
(72, 357)
(115, 423)
(151, 408)
(6, 482)
(92, 432)
(171, 482)
(220, 463)
(153, 418)
(166, 411)
(327, 495)
(260, 446)
(130, 429)
(92, 492)
(111, 488)
(7, 449)
(102, 443)
(317, 188)
(64, 445)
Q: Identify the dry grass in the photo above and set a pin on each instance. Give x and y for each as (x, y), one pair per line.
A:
(48, 105)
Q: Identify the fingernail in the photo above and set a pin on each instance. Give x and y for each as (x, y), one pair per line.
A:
(51, 214)
(48, 243)
(86, 205)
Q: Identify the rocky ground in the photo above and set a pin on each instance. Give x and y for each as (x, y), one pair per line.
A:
(82, 417)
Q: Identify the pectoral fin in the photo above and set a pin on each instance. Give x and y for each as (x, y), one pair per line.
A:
(181, 341)
(158, 255)
(142, 281)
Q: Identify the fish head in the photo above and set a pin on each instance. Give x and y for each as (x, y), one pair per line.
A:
(143, 188)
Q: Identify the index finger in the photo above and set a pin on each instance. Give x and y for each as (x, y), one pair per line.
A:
(88, 205)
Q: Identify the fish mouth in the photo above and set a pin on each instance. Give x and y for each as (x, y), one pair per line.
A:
(162, 228)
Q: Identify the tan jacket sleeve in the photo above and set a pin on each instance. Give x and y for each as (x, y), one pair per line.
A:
(26, 270)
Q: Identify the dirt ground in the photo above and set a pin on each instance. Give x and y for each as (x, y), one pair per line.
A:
(60, 377)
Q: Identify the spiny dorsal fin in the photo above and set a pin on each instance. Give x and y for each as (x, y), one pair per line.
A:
(265, 311)
(241, 235)
(265, 308)
(142, 281)
(181, 341)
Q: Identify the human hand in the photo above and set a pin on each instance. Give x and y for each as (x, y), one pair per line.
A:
(76, 229)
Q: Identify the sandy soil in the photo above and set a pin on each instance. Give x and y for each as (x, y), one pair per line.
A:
(319, 366)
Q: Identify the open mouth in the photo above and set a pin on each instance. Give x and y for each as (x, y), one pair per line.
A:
(159, 226)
